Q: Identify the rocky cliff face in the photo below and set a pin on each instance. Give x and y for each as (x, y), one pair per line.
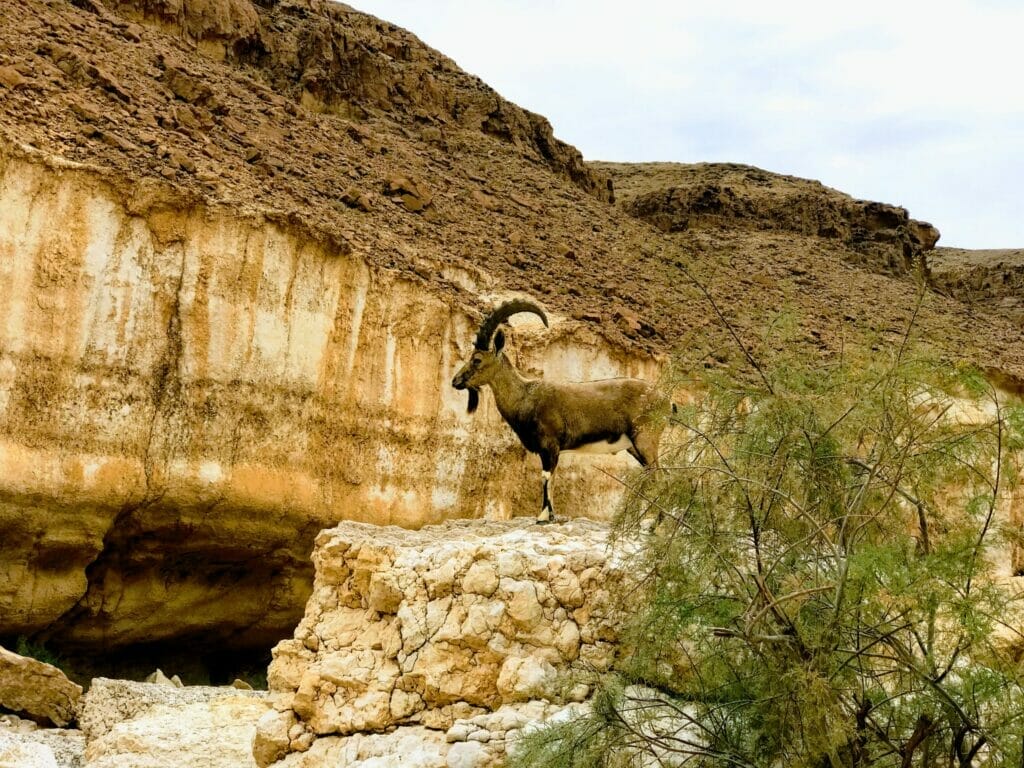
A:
(675, 198)
(189, 396)
(332, 58)
(982, 279)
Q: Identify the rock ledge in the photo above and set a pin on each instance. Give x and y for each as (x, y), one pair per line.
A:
(441, 630)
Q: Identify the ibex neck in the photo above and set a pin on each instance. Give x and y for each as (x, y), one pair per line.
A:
(509, 388)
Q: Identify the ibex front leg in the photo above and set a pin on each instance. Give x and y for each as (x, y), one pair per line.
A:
(548, 462)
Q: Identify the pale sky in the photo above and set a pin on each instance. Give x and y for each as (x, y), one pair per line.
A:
(919, 104)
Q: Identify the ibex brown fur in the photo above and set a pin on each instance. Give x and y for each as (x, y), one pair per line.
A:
(550, 418)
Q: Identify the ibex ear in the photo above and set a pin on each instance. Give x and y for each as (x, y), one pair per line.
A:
(499, 341)
(474, 400)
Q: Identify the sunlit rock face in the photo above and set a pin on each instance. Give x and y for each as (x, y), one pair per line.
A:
(471, 629)
(188, 395)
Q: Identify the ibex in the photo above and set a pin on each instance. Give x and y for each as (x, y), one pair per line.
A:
(605, 416)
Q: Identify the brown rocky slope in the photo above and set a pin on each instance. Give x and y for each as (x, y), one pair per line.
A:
(242, 246)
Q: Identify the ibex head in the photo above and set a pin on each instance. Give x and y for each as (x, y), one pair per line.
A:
(486, 358)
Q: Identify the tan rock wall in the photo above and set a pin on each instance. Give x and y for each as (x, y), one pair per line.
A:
(188, 395)
(468, 627)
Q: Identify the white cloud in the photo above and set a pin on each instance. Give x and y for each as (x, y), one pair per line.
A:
(912, 103)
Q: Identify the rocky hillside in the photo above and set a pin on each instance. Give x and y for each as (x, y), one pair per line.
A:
(718, 196)
(990, 280)
(242, 249)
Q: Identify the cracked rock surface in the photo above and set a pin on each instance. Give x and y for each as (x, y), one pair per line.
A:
(464, 632)
(37, 690)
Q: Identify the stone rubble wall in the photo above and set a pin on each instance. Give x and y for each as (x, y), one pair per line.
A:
(465, 631)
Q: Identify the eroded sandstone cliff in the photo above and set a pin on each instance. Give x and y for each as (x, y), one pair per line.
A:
(190, 395)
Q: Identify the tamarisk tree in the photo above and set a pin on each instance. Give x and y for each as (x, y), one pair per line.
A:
(828, 582)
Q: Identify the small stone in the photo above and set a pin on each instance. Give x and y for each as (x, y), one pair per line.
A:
(627, 320)
(480, 579)
(37, 689)
(522, 679)
(384, 595)
(404, 704)
(458, 732)
(241, 684)
(439, 580)
(187, 87)
(85, 111)
(233, 125)
(578, 693)
(159, 678)
(113, 140)
(108, 82)
(485, 200)
(272, 739)
(182, 161)
(12, 78)
(566, 589)
(567, 641)
(412, 203)
(524, 607)
(303, 742)
(354, 198)
(466, 754)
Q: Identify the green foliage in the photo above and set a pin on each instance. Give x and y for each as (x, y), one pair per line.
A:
(25, 647)
(821, 585)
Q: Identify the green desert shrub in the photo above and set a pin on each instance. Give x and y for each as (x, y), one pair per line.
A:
(825, 576)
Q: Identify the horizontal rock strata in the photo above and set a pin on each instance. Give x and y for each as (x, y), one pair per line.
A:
(470, 629)
(187, 397)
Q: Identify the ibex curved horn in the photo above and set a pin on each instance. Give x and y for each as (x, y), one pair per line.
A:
(500, 315)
